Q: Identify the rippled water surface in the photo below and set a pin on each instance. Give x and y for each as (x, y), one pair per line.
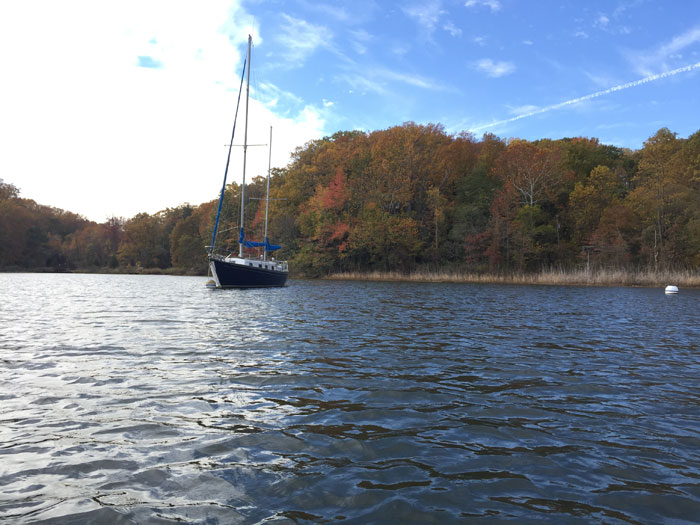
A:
(134, 399)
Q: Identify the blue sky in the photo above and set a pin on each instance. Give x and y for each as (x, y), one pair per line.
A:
(120, 107)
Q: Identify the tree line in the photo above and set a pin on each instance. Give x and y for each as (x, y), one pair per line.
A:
(405, 198)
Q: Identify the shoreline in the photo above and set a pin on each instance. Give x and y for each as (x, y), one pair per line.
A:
(685, 279)
(185, 272)
(626, 278)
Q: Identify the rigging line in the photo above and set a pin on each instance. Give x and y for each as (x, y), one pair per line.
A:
(255, 83)
(245, 149)
(228, 160)
(258, 90)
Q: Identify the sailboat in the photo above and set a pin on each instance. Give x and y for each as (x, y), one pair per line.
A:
(230, 270)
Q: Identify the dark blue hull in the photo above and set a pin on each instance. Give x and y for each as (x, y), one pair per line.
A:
(231, 275)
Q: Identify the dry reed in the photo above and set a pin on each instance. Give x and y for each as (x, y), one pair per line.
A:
(610, 277)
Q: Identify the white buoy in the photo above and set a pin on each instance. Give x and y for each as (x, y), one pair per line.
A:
(671, 289)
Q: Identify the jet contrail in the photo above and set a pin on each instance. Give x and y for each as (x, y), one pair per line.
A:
(639, 82)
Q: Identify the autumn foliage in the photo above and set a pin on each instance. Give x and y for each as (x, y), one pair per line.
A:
(409, 197)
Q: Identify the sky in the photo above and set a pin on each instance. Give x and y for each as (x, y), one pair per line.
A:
(112, 108)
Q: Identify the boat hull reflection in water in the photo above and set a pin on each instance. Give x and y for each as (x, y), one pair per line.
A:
(234, 272)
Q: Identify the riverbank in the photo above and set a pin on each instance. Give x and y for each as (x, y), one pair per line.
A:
(130, 270)
(684, 279)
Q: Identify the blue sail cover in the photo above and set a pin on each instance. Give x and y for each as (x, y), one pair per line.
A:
(271, 247)
(254, 244)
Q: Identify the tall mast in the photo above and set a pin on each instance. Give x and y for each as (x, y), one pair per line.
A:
(267, 203)
(245, 147)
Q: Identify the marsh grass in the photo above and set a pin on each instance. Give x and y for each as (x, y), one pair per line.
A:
(610, 277)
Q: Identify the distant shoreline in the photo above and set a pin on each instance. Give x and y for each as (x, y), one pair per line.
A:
(109, 271)
(646, 278)
(685, 279)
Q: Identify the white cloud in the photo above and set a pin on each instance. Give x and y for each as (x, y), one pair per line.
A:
(377, 80)
(426, 14)
(647, 63)
(480, 40)
(300, 39)
(519, 110)
(452, 29)
(494, 69)
(411, 80)
(399, 49)
(353, 13)
(119, 139)
(362, 83)
(339, 13)
(624, 30)
(599, 80)
(273, 97)
(360, 39)
(289, 133)
(681, 41)
(494, 5)
(528, 42)
(604, 23)
(362, 35)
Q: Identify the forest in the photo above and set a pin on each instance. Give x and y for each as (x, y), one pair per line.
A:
(404, 199)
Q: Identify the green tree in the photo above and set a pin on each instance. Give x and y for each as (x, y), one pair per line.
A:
(655, 197)
(582, 155)
(8, 191)
(535, 237)
(144, 242)
(187, 246)
(473, 200)
(383, 241)
(590, 198)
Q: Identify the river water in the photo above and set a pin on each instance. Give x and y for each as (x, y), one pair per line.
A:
(150, 399)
